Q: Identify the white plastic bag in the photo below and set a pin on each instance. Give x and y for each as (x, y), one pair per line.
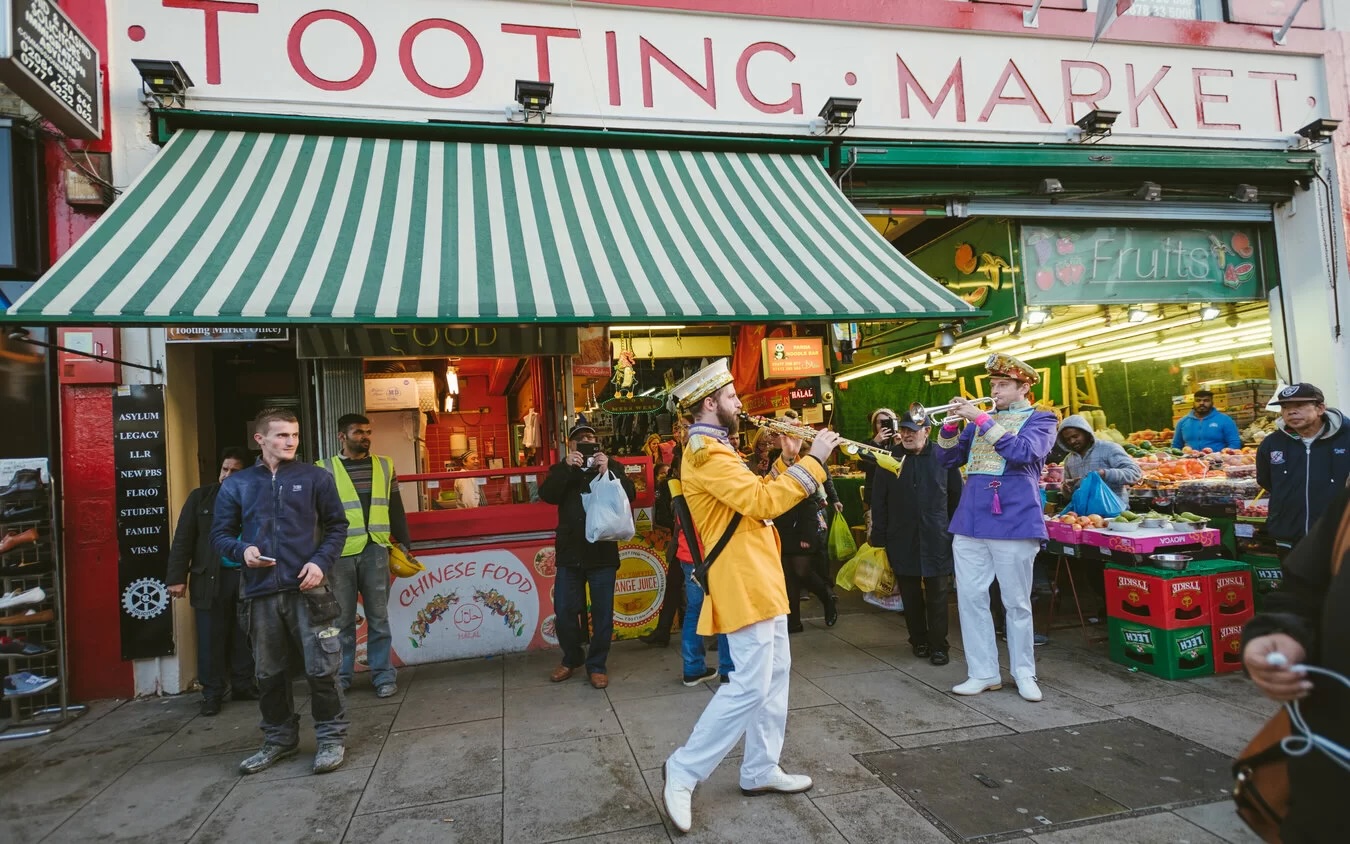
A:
(609, 518)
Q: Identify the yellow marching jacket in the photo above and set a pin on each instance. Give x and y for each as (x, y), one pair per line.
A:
(746, 579)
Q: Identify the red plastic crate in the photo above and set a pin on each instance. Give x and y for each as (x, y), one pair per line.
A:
(1232, 596)
(1228, 645)
(1168, 603)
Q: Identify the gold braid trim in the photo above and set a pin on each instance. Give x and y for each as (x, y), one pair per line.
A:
(995, 433)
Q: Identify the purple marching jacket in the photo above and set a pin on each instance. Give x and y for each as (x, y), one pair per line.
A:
(1002, 496)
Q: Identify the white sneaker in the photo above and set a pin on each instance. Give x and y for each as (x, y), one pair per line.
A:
(779, 783)
(1027, 688)
(679, 802)
(22, 598)
(974, 686)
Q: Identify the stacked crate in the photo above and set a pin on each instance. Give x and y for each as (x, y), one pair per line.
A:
(1179, 624)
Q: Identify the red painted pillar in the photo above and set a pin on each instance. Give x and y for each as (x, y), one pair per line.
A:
(96, 669)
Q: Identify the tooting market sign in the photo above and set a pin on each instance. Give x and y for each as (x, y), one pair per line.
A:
(46, 60)
(402, 59)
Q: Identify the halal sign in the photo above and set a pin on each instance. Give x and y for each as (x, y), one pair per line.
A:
(46, 60)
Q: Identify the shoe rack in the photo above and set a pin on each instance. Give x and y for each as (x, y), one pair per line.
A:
(29, 560)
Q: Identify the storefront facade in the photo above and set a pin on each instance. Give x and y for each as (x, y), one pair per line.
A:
(359, 97)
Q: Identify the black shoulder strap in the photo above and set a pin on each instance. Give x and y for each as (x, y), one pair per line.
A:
(701, 564)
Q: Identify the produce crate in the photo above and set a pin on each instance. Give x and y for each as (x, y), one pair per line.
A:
(1228, 646)
(1146, 541)
(1267, 575)
(1171, 654)
(1207, 592)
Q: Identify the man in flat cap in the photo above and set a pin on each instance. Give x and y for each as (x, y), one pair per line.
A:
(1303, 464)
(998, 527)
(746, 598)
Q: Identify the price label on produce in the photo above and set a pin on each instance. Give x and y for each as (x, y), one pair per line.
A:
(1244, 531)
(1070, 551)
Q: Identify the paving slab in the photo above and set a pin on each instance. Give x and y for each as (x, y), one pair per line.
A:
(637, 671)
(234, 729)
(1162, 828)
(643, 835)
(530, 668)
(978, 731)
(877, 815)
(38, 796)
(573, 788)
(1090, 678)
(896, 705)
(133, 807)
(443, 703)
(1057, 709)
(939, 677)
(1234, 689)
(475, 820)
(1220, 819)
(436, 764)
(1200, 718)
(655, 726)
(1133, 763)
(483, 673)
(817, 654)
(802, 693)
(559, 712)
(309, 810)
(821, 742)
(366, 735)
(137, 719)
(873, 630)
(723, 815)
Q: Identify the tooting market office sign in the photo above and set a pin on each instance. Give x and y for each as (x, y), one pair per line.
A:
(615, 66)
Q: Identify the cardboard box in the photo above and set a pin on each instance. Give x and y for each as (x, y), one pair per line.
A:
(1170, 654)
(1146, 541)
(1060, 532)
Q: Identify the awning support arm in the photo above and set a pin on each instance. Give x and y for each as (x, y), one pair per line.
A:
(20, 335)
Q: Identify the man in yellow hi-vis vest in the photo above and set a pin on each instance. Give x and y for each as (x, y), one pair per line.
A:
(369, 490)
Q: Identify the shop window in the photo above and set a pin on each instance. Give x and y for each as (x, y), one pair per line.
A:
(1275, 12)
(23, 206)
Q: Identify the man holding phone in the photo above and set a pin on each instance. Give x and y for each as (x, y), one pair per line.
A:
(285, 522)
(582, 564)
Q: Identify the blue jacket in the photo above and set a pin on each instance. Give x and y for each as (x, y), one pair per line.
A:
(295, 516)
(1216, 431)
(1302, 478)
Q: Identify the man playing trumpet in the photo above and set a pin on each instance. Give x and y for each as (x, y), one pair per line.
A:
(998, 527)
(746, 598)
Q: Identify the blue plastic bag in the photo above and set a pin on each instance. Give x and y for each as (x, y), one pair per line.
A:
(1094, 498)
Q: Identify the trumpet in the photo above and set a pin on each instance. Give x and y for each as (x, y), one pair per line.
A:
(918, 412)
(864, 451)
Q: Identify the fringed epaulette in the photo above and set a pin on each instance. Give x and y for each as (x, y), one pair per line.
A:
(696, 449)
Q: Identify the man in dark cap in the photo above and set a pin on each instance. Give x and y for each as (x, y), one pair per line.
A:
(1206, 428)
(582, 564)
(1304, 463)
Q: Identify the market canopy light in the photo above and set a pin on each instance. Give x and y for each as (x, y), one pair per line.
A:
(839, 113)
(1319, 131)
(1246, 193)
(1149, 192)
(1137, 314)
(1208, 312)
(1097, 123)
(534, 98)
(1037, 316)
(1049, 187)
(164, 81)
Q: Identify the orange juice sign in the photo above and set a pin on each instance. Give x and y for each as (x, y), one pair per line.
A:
(792, 357)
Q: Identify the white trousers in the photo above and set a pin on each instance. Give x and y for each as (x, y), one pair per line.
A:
(753, 704)
(978, 562)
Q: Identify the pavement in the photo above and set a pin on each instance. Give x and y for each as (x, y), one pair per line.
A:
(488, 750)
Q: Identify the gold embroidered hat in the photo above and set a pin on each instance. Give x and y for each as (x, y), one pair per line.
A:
(702, 384)
(1000, 365)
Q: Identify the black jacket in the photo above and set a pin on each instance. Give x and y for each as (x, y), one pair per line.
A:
(910, 514)
(563, 487)
(801, 524)
(1302, 479)
(1314, 608)
(191, 549)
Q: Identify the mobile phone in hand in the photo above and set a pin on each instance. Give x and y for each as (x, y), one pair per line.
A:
(267, 559)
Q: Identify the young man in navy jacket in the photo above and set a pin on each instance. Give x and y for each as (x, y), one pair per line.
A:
(284, 521)
(1303, 464)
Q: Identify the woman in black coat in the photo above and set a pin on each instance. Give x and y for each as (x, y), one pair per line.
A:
(801, 531)
(910, 515)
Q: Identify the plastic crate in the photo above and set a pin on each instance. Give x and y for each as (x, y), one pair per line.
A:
(1171, 654)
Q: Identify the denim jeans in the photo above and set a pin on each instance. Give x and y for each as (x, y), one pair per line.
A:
(224, 655)
(691, 644)
(277, 624)
(368, 572)
(569, 603)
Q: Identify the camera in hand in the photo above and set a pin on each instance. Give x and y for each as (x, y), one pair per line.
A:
(888, 425)
(588, 451)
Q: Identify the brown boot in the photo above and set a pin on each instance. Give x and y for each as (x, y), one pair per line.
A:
(562, 672)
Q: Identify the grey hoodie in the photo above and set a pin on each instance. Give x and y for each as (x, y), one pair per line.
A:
(1121, 470)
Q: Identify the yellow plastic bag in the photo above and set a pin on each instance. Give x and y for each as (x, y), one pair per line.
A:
(844, 579)
(871, 568)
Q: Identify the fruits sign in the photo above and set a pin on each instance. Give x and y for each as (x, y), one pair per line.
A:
(1140, 263)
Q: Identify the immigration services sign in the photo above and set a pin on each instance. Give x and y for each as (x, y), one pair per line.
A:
(45, 59)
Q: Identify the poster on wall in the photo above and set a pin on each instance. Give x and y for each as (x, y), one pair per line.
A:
(593, 358)
(142, 502)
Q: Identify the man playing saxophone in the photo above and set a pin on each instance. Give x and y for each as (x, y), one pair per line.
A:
(746, 598)
(998, 526)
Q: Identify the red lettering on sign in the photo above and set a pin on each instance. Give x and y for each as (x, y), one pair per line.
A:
(1066, 69)
(541, 35)
(793, 103)
(1149, 92)
(405, 58)
(955, 84)
(212, 9)
(706, 91)
(298, 59)
(612, 65)
(1275, 80)
(1202, 96)
(1028, 99)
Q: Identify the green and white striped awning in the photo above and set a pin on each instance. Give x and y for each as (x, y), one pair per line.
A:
(242, 227)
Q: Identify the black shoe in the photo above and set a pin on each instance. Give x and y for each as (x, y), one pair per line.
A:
(656, 640)
(211, 707)
(692, 680)
(939, 658)
(831, 611)
(24, 513)
(921, 651)
(26, 482)
(795, 627)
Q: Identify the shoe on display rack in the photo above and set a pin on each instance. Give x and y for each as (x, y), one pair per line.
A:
(25, 683)
(26, 482)
(29, 617)
(17, 539)
(22, 598)
(11, 646)
(27, 568)
(22, 512)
